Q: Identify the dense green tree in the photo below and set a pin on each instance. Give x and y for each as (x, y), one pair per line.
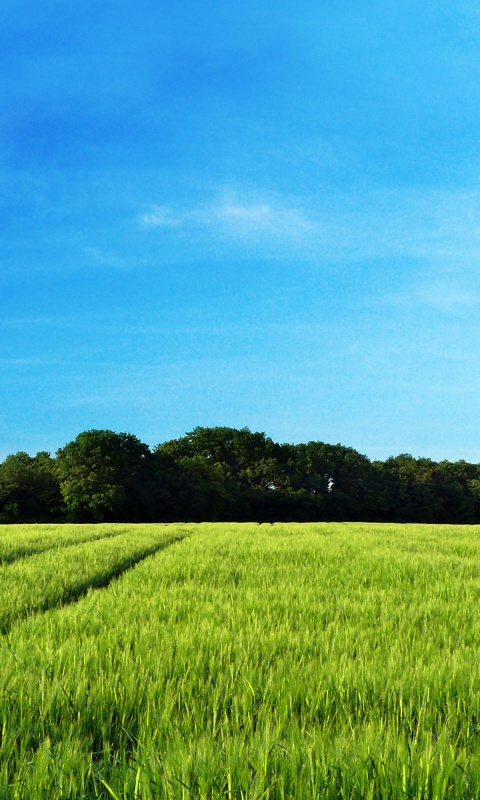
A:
(421, 490)
(29, 489)
(200, 492)
(247, 458)
(245, 462)
(409, 489)
(105, 476)
(458, 483)
(191, 489)
(224, 473)
(332, 481)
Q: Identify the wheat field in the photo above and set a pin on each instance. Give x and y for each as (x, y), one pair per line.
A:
(239, 661)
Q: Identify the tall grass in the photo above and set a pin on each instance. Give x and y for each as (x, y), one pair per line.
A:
(18, 541)
(254, 661)
(63, 573)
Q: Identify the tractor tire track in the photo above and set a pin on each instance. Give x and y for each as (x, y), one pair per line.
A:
(26, 551)
(29, 598)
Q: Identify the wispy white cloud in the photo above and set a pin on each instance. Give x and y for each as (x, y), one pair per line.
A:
(162, 217)
(250, 216)
(439, 228)
(236, 219)
(252, 213)
(103, 259)
(253, 218)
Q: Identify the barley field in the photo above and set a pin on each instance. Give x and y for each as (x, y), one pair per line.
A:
(239, 661)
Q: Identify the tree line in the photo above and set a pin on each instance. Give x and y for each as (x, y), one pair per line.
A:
(220, 474)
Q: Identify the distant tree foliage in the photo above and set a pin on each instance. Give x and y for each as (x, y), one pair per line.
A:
(29, 489)
(221, 473)
(101, 476)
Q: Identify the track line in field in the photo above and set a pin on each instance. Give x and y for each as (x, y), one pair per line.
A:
(28, 552)
(74, 594)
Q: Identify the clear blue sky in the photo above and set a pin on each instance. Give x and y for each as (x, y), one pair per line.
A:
(241, 213)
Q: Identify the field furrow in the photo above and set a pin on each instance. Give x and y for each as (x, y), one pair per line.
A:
(59, 576)
(21, 541)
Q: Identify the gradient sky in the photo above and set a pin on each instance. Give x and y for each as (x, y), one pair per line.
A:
(241, 213)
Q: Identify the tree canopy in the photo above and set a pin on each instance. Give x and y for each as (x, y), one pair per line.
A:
(223, 473)
(100, 473)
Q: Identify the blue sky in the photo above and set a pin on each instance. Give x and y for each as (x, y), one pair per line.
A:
(243, 213)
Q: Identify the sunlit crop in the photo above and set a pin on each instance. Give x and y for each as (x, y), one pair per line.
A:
(240, 661)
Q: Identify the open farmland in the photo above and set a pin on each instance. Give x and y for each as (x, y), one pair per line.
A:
(240, 661)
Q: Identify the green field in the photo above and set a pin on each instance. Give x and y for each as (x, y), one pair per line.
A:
(239, 661)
